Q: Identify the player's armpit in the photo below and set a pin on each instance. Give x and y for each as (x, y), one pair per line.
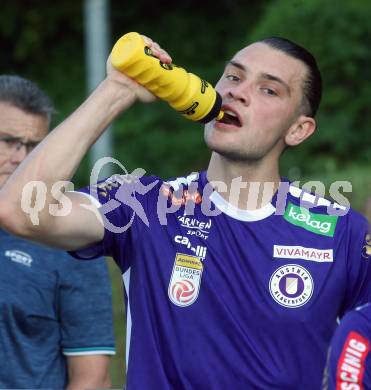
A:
(77, 223)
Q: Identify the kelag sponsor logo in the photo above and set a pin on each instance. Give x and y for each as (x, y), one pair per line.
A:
(313, 222)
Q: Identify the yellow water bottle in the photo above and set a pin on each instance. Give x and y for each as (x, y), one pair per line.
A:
(193, 97)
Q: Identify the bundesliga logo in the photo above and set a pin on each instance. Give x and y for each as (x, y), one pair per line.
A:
(291, 285)
(182, 292)
(185, 280)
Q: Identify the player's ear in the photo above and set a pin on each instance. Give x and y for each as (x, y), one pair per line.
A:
(299, 131)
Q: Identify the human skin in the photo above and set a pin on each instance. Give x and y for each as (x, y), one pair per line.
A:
(270, 117)
(18, 123)
(262, 86)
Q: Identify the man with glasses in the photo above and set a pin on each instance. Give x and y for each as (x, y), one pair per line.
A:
(11, 144)
(55, 311)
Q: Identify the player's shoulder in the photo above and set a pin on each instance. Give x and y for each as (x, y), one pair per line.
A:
(357, 320)
(122, 187)
(183, 182)
(135, 180)
(149, 190)
(341, 212)
(153, 186)
(363, 311)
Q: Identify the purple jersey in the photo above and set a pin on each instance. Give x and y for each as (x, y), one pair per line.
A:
(349, 365)
(223, 298)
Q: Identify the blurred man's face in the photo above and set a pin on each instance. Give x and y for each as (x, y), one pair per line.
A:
(19, 133)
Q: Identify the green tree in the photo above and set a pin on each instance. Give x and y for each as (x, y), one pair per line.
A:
(337, 33)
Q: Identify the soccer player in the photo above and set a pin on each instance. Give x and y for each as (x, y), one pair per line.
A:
(55, 311)
(234, 277)
(349, 364)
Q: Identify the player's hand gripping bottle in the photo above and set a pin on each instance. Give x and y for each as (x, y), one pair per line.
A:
(193, 97)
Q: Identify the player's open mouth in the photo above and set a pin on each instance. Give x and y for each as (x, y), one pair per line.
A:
(230, 118)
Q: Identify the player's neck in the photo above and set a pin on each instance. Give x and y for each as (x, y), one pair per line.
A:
(245, 185)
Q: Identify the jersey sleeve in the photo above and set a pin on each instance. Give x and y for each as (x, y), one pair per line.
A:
(85, 308)
(358, 246)
(123, 202)
(349, 354)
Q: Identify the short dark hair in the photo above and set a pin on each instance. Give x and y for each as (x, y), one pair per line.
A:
(26, 95)
(312, 88)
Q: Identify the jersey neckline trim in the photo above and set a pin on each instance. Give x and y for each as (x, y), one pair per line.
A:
(241, 215)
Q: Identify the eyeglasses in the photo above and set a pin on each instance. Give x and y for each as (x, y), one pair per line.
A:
(9, 144)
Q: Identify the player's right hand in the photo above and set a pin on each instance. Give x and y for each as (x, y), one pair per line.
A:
(134, 89)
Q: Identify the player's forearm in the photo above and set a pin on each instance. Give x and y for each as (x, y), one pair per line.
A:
(60, 153)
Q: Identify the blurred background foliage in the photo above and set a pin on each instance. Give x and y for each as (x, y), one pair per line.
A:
(336, 32)
(44, 41)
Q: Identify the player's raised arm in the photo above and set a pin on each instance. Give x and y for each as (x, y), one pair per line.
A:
(57, 157)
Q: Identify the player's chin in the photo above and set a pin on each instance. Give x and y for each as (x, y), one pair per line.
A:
(215, 137)
(219, 144)
(212, 139)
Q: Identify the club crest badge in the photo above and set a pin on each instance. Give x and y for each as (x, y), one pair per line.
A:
(291, 285)
(185, 280)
